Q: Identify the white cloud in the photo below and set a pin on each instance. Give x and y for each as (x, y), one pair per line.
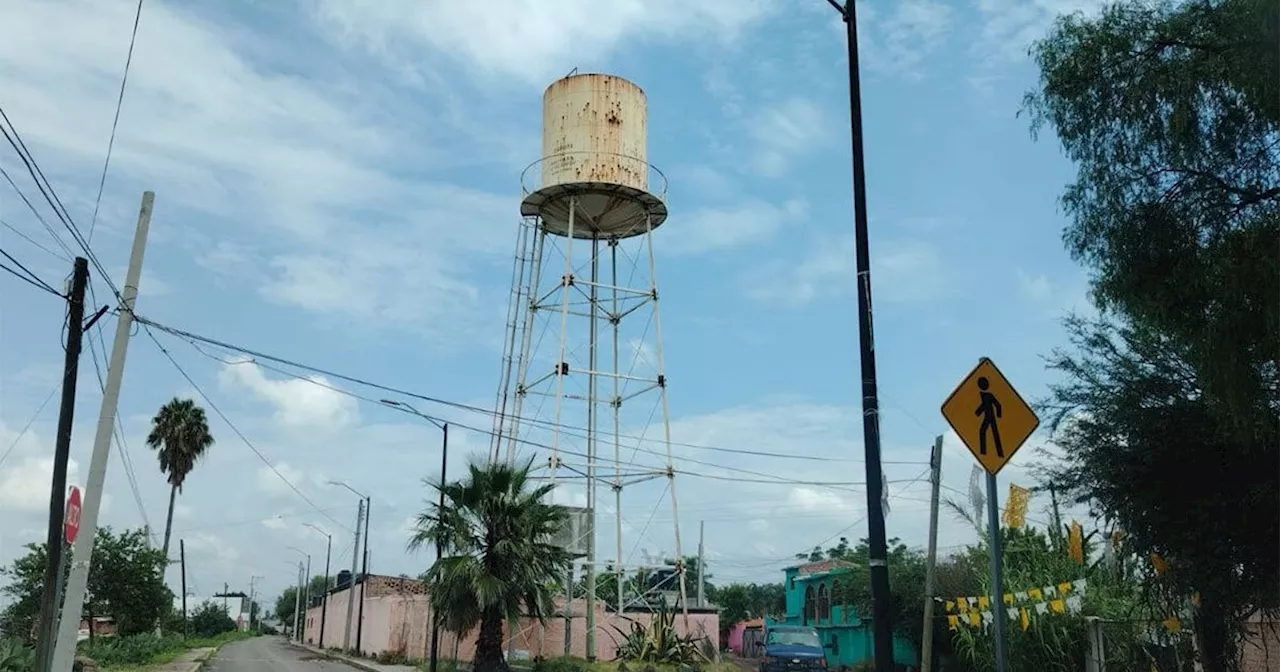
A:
(898, 42)
(714, 229)
(24, 485)
(526, 39)
(785, 132)
(1010, 26)
(273, 481)
(298, 404)
(905, 269)
(1037, 287)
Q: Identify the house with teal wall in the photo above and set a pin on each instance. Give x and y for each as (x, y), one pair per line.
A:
(848, 639)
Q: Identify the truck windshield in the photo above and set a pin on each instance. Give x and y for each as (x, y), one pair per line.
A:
(794, 638)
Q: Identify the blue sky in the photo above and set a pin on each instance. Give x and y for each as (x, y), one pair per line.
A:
(338, 183)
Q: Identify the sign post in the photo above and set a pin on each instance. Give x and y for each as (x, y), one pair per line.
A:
(993, 421)
(70, 528)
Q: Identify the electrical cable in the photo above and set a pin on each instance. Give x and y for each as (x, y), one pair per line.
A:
(124, 80)
(30, 422)
(51, 197)
(237, 431)
(256, 354)
(31, 240)
(31, 206)
(763, 477)
(30, 276)
(38, 285)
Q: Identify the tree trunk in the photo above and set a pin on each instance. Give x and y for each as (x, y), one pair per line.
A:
(1214, 638)
(489, 643)
(168, 523)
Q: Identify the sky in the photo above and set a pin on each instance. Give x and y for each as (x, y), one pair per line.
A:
(338, 184)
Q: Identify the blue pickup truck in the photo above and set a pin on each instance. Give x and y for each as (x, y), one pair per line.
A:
(792, 648)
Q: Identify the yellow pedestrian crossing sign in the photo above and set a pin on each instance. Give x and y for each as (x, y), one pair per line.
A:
(989, 416)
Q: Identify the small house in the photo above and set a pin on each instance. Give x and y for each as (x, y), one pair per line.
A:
(813, 598)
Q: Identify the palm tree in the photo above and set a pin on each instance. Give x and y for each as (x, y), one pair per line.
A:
(498, 562)
(180, 436)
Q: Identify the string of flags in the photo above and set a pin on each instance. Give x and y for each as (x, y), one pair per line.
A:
(976, 611)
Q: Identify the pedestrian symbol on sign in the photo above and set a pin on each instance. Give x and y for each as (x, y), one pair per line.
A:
(989, 410)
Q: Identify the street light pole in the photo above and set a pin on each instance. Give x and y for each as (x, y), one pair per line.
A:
(355, 560)
(324, 604)
(877, 547)
(444, 468)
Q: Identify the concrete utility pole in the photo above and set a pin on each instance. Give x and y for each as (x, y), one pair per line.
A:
(297, 607)
(926, 643)
(702, 597)
(82, 553)
(61, 455)
(324, 604)
(351, 586)
(364, 576)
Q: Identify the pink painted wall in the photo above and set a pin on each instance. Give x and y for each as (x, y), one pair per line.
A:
(735, 637)
(400, 623)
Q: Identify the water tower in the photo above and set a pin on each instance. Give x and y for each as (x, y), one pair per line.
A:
(584, 336)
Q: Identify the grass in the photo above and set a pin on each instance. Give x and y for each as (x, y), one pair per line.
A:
(143, 653)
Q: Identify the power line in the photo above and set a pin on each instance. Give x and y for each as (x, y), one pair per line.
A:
(124, 80)
(30, 277)
(51, 196)
(38, 285)
(30, 422)
(31, 240)
(237, 431)
(31, 206)
(764, 477)
(256, 354)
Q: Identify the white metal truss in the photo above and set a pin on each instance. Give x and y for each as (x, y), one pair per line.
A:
(590, 297)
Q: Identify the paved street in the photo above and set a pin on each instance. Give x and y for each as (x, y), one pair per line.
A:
(261, 654)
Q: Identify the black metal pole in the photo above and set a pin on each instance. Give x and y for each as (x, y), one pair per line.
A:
(878, 553)
(364, 576)
(435, 616)
(61, 455)
(324, 604)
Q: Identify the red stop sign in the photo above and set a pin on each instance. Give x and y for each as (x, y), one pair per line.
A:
(71, 522)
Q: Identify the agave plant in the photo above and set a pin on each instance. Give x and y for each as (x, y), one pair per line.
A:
(659, 643)
(14, 657)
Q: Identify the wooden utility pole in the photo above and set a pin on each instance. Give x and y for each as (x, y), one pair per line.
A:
(926, 643)
(61, 455)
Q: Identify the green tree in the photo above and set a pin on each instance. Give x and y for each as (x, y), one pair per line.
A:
(25, 584)
(742, 601)
(209, 620)
(1169, 111)
(284, 604)
(906, 569)
(497, 562)
(180, 436)
(126, 582)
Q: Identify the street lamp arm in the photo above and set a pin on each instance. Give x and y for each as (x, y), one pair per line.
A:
(839, 8)
(410, 409)
(357, 493)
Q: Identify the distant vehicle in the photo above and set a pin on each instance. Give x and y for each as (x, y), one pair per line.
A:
(792, 648)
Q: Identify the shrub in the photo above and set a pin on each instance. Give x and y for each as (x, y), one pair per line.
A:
(14, 657)
(391, 658)
(557, 665)
(130, 650)
(210, 620)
